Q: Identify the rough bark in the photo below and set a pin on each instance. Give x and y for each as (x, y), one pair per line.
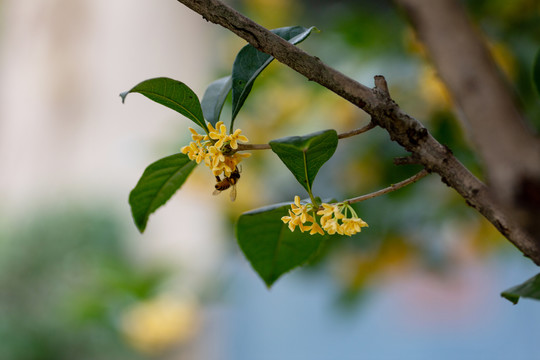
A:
(402, 128)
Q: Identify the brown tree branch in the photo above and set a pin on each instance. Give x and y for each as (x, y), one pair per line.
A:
(290, 55)
(355, 132)
(405, 130)
(406, 160)
(389, 189)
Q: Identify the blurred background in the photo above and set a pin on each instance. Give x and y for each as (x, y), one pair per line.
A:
(77, 281)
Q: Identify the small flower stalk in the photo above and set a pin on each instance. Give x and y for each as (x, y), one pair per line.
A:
(334, 218)
(216, 149)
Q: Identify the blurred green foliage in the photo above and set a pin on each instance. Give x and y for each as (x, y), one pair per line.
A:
(66, 278)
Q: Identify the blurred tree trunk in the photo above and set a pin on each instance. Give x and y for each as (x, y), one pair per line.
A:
(487, 107)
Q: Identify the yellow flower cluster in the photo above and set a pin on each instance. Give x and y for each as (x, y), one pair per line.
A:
(299, 215)
(333, 218)
(216, 149)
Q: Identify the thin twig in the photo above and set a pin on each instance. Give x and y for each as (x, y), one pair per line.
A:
(371, 125)
(382, 85)
(391, 188)
(347, 134)
(243, 147)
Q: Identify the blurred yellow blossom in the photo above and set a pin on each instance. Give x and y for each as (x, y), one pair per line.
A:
(504, 59)
(274, 13)
(157, 325)
(433, 89)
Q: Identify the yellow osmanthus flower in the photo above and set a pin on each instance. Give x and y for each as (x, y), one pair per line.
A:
(196, 136)
(293, 221)
(195, 151)
(214, 158)
(235, 137)
(332, 226)
(353, 225)
(215, 149)
(333, 218)
(301, 210)
(229, 163)
(299, 215)
(330, 214)
(315, 228)
(219, 133)
(330, 211)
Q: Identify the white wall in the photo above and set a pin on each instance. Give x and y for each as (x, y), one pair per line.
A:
(64, 133)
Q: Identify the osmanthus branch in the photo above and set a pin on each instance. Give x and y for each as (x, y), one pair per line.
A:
(386, 190)
(371, 125)
(355, 132)
(402, 128)
(389, 189)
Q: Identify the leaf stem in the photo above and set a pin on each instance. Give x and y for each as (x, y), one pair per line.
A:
(313, 201)
(371, 125)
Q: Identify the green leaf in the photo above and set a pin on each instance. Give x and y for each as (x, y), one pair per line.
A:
(158, 183)
(250, 62)
(304, 155)
(536, 71)
(269, 245)
(172, 94)
(214, 97)
(529, 289)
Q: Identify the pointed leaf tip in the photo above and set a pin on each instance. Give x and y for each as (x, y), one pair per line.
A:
(529, 289)
(270, 247)
(157, 184)
(173, 94)
(123, 96)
